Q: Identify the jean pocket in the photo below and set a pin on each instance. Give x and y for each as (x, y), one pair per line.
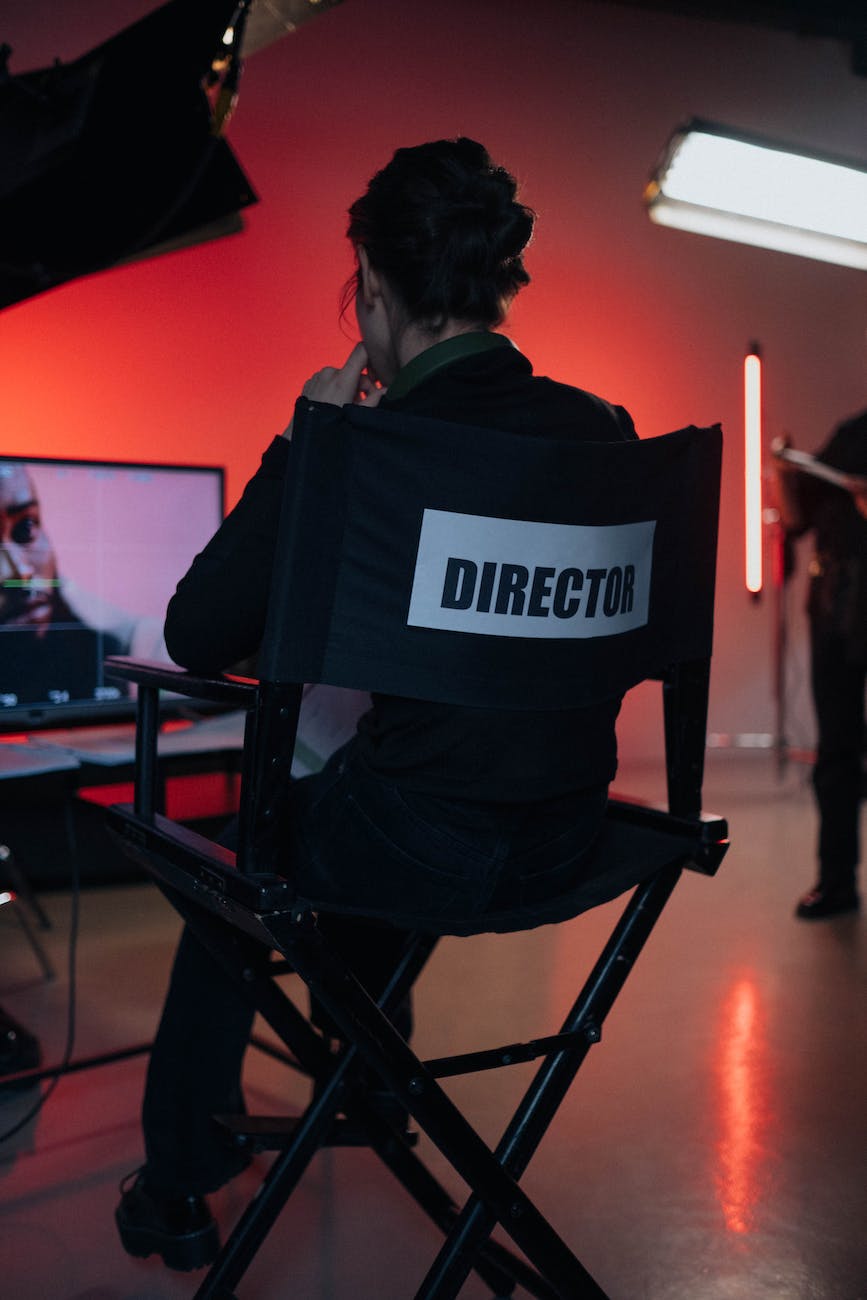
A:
(412, 842)
(354, 864)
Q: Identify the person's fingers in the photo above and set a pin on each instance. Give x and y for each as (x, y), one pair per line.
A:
(354, 364)
(343, 385)
(375, 396)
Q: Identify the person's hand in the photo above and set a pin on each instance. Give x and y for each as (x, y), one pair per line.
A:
(783, 469)
(348, 384)
(786, 478)
(861, 503)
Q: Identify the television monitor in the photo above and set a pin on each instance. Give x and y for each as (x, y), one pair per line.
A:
(90, 554)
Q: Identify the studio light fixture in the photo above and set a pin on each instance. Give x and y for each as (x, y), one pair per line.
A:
(120, 155)
(715, 181)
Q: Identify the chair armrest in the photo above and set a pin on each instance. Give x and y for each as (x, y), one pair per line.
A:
(219, 689)
(194, 866)
(707, 832)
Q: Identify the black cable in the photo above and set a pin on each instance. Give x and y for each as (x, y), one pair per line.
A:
(71, 966)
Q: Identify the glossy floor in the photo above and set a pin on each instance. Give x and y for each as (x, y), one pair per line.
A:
(714, 1146)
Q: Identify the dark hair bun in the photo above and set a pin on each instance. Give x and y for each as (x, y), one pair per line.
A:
(443, 224)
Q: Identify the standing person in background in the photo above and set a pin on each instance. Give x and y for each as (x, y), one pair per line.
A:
(837, 610)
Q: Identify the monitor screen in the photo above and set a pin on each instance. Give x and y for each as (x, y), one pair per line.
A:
(90, 554)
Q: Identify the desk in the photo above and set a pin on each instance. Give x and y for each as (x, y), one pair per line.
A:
(49, 767)
(114, 746)
(40, 773)
(37, 773)
(18, 761)
(328, 719)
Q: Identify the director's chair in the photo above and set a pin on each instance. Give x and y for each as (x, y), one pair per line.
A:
(476, 568)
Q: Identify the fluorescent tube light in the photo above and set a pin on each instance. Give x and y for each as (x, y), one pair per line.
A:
(715, 182)
(753, 470)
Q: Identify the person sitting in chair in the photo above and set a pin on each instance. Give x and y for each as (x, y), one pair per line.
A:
(427, 798)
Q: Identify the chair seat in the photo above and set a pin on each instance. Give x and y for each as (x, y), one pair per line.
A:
(635, 843)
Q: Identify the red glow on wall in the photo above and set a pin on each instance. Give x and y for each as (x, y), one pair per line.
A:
(741, 1069)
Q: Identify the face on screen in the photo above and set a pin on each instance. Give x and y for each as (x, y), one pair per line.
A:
(28, 568)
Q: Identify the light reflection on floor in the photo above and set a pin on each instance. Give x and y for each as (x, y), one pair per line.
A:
(743, 1104)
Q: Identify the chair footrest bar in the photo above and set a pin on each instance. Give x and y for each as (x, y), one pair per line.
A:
(492, 1058)
(276, 1132)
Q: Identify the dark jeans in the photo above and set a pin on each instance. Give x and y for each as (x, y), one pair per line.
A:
(838, 694)
(360, 844)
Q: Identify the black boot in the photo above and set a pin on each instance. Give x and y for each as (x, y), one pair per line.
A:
(828, 900)
(181, 1229)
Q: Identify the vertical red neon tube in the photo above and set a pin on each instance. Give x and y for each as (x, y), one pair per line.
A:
(753, 469)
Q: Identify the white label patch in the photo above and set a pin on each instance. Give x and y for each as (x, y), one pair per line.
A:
(514, 577)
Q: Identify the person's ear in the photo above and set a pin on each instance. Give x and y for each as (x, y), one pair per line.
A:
(371, 285)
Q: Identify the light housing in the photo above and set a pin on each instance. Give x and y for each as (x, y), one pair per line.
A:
(120, 155)
(716, 181)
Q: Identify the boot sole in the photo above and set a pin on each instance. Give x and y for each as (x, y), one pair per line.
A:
(182, 1253)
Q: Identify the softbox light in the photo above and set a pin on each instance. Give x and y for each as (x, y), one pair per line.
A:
(731, 185)
(112, 157)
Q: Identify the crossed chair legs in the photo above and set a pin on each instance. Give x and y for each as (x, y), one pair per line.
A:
(373, 1044)
(338, 1090)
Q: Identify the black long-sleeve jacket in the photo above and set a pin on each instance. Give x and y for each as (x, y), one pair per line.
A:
(217, 615)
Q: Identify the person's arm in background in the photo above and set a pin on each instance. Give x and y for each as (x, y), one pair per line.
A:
(790, 494)
(801, 496)
(138, 635)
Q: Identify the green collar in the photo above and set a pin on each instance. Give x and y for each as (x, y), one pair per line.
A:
(441, 355)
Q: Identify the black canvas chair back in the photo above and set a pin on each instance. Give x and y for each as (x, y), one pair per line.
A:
(478, 568)
(474, 567)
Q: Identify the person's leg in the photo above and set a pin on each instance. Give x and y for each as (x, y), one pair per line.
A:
(838, 694)
(194, 1073)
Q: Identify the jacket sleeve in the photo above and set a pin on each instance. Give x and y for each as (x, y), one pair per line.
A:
(814, 493)
(216, 617)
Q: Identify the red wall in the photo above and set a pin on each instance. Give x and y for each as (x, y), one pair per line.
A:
(198, 356)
